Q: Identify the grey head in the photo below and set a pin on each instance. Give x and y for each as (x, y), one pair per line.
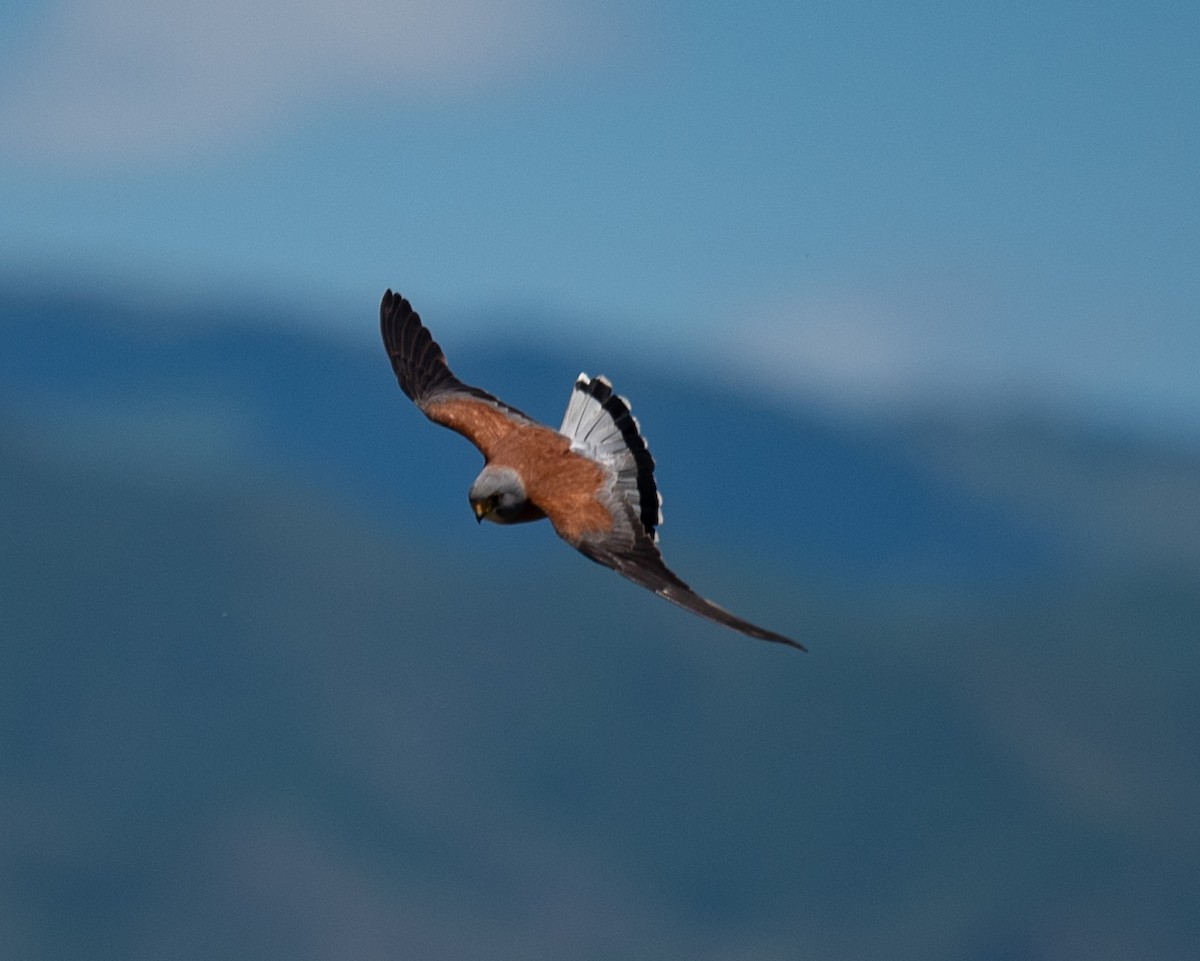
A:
(498, 495)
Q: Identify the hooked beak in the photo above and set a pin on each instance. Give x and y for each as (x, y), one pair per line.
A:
(480, 508)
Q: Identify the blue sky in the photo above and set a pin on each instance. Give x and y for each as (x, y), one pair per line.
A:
(879, 203)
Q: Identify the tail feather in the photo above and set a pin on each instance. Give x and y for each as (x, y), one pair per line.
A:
(599, 422)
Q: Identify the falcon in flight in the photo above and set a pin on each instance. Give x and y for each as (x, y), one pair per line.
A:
(593, 477)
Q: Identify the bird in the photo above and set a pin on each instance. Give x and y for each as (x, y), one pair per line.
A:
(593, 477)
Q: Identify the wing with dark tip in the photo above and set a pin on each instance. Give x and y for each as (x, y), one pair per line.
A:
(610, 507)
(426, 378)
(630, 551)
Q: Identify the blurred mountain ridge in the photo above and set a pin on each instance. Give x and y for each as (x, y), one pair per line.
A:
(956, 500)
(269, 692)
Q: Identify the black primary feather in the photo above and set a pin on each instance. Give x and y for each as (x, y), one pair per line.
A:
(417, 359)
(643, 564)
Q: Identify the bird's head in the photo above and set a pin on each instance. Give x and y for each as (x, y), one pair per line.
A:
(499, 496)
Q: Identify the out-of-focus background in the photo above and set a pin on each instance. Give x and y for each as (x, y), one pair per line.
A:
(906, 297)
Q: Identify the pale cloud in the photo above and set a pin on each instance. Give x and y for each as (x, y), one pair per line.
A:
(838, 345)
(943, 345)
(140, 79)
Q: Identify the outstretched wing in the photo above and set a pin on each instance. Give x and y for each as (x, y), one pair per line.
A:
(425, 377)
(630, 551)
(602, 429)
